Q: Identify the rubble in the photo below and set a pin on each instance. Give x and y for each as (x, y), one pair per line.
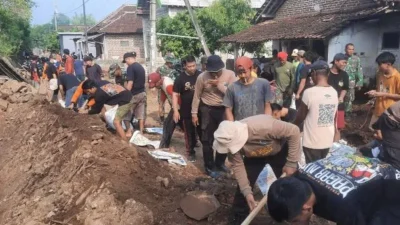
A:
(199, 205)
(3, 105)
(103, 208)
(16, 92)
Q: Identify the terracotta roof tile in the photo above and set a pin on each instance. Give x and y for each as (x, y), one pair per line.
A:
(123, 20)
(310, 27)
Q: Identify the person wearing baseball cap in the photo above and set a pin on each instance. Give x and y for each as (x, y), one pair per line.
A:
(317, 110)
(248, 96)
(207, 105)
(339, 79)
(285, 80)
(252, 143)
(135, 83)
(166, 70)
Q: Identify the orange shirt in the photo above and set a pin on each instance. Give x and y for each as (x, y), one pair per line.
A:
(388, 84)
(69, 65)
(78, 93)
(44, 75)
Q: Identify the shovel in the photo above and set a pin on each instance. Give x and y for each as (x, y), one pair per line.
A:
(261, 204)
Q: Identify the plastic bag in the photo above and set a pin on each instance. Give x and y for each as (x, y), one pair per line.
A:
(53, 84)
(110, 115)
(265, 179)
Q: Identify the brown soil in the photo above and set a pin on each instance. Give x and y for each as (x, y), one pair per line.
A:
(50, 171)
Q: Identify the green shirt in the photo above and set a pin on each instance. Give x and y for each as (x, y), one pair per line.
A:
(295, 64)
(285, 76)
(354, 70)
(164, 70)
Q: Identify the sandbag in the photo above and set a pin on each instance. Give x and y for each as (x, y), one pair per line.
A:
(44, 86)
(110, 115)
(53, 84)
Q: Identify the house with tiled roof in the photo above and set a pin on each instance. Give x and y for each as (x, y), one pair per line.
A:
(326, 26)
(172, 7)
(119, 32)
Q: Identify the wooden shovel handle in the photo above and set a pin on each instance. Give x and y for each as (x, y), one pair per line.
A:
(260, 205)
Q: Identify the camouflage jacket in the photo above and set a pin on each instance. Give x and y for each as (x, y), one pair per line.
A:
(354, 70)
(166, 71)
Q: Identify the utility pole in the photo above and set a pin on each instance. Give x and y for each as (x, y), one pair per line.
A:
(197, 27)
(55, 20)
(153, 37)
(55, 15)
(84, 23)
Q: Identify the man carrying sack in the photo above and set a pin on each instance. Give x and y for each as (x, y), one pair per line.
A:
(251, 144)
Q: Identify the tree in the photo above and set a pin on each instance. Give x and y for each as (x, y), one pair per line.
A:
(14, 25)
(62, 19)
(44, 36)
(79, 20)
(222, 18)
(178, 25)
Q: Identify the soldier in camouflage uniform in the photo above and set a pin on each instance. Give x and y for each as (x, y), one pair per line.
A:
(115, 71)
(356, 79)
(166, 70)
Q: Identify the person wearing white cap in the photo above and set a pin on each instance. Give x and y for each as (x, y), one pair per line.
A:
(295, 55)
(251, 144)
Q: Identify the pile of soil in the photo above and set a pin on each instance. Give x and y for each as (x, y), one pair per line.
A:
(59, 167)
(357, 132)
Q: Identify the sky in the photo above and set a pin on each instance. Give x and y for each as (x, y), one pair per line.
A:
(44, 10)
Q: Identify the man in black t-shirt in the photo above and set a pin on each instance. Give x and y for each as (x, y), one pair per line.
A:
(305, 74)
(68, 83)
(93, 70)
(135, 81)
(105, 92)
(339, 80)
(184, 86)
(346, 189)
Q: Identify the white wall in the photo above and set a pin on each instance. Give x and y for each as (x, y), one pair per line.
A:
(367, 38)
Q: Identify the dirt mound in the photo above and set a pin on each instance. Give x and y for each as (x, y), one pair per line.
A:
(58, 167)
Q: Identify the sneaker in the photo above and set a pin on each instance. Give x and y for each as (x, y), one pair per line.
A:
(223, 169)
(192, 157)
(213, 173)
(197, 144)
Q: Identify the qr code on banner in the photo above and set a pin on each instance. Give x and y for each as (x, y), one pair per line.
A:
(326, 115)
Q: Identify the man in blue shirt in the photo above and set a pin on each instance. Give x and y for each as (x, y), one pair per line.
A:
(79, 68)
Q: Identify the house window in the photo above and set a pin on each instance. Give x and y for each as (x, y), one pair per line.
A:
(391, 40)
(124, 43)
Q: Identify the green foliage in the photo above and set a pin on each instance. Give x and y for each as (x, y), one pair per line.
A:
(44, 37)
(179, 25)
(78, 20)
(14, 25)
(222, 18)
(62, 19)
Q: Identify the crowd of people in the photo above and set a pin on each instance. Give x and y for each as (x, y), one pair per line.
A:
(258, 114)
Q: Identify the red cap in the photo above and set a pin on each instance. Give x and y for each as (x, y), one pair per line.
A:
(244, 62)
(282, 55)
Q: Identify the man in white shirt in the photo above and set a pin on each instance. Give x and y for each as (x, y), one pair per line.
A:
(318, 112)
